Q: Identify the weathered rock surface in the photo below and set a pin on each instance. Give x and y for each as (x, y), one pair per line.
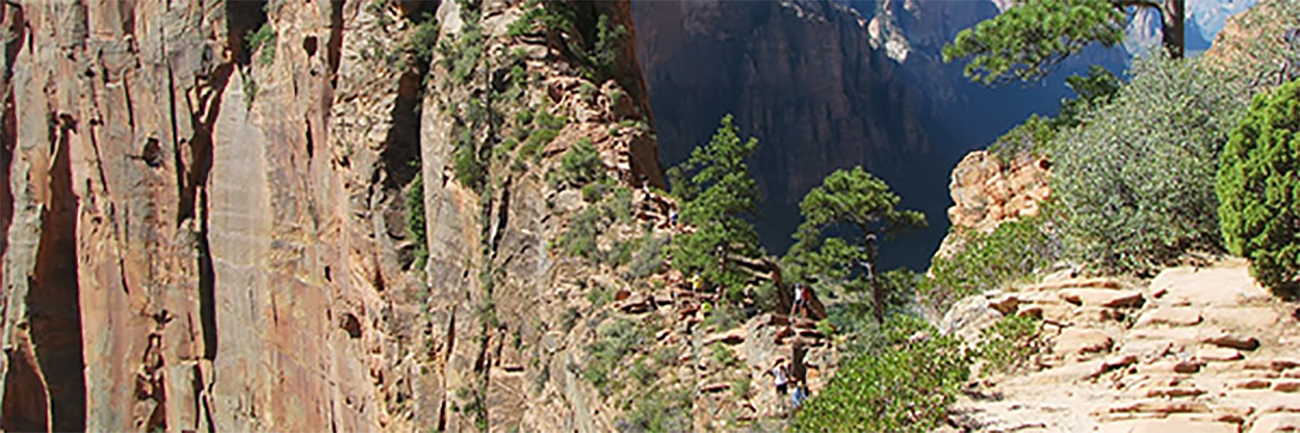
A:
(205, 235)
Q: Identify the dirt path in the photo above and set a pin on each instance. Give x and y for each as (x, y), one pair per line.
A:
(1197, 350)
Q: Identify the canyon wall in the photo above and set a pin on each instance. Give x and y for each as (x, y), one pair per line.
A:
(206, 228)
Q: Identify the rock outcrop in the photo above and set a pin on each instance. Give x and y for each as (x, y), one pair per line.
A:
(987, 191)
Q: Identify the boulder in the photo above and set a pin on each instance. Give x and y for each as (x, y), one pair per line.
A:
(1170, 316)
(1077, 340)
(1276, 422)
(1217, 354)
(1235, 341)
(1102, 297)
(733, 336)
(1287, 386)
(1070, 372)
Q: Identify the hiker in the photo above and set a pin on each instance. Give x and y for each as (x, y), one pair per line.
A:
(645, 186)
(798, 396)
(696, 283)
(801, 294)
(779, 377)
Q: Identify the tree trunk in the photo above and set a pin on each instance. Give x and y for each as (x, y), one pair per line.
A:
(877, 293)
(1173, 17)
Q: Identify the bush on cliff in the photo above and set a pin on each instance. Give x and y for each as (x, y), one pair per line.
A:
(1135, 180)
(987, 261)
(1258, 189)
(905, 385)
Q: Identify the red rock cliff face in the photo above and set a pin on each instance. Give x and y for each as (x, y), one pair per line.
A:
(204, 238)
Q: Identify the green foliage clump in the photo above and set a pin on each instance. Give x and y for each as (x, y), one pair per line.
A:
(1259, 190)
(462, 56)
(422, 41)
(723, 316)
(547, 128)
(717, 192)
(1008, 344)
(904, 386)
(415, 221)
(604, 53)
(548, 16)
(858, 204)
(579, 239)
(850, 314)
(262, 42)
(649, 258)
(1135, 180)
(469, 170)
(615, 340)
(988, 261)
(1027, 41)
(581, 164)
(659, 411)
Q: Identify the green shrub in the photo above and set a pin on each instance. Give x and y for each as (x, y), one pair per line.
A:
(642, 373)
(552, 16)
(469, 171)
(723, 355)
(415, 221)
(1013, 251)
(615, 340)
(580, 239)
(659, 411)
(462, 56)
(594, 192)
(421, 43)
(1008, 344)
(547, 120)
(905, 387)
(581, 164)
(1030, 137)
(851, 313)
(262, 42)
(604, 54)
(724, 316)
(649, 258)
(1259, 190)
(1135, 181)
(600, 295)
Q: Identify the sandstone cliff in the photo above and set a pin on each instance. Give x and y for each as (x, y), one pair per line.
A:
(308, 215)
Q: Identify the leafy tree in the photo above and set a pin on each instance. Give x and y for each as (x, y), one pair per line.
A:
(904, 386)
(1259, 190)
(1027, 41)
(1135, 180)
(581, 164)
(717, 191)
(863, 203)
